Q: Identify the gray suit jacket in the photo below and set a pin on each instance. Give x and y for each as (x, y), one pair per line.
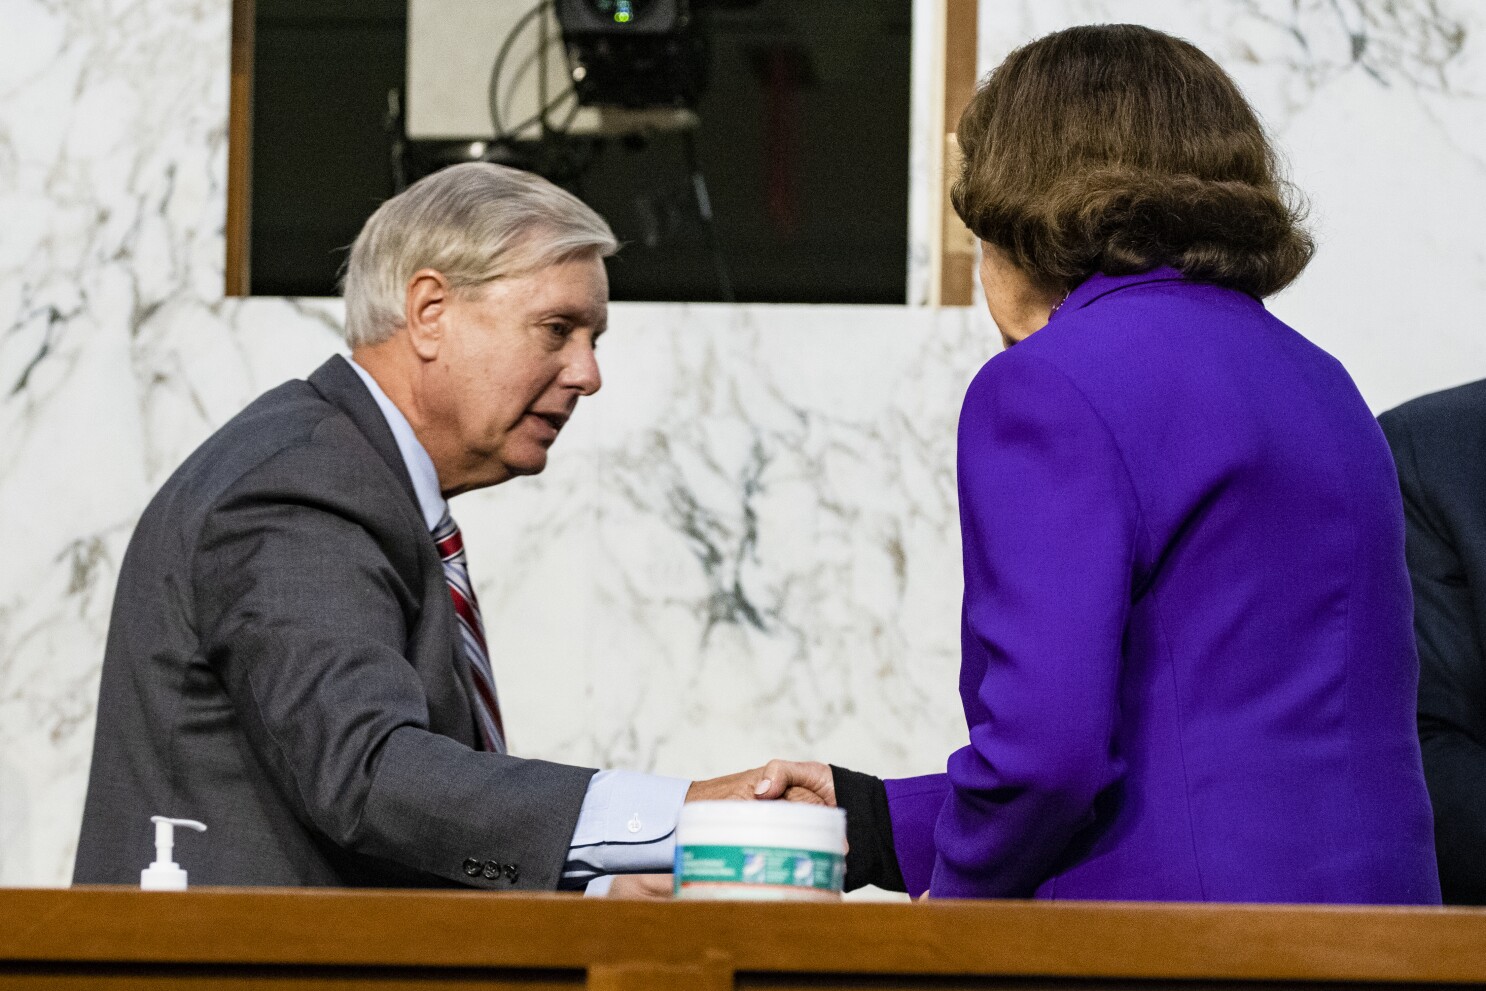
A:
(282, 663)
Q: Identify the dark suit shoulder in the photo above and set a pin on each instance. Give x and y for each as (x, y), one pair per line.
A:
(295, 450)
(1462, 408)
(291, 446)
(281, 418)
(291, 437)
(1440, 436)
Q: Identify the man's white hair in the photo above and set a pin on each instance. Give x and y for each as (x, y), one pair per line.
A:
(474, 223)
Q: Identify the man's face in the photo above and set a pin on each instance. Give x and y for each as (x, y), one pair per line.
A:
(516, 356)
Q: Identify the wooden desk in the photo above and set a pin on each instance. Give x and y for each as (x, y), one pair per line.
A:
(235, 939)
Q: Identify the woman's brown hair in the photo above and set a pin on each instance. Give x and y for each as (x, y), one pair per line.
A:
(1116, 148)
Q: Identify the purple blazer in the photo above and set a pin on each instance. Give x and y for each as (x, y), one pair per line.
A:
(1188, 663)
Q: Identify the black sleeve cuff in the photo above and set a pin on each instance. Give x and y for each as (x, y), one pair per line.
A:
(872, 858)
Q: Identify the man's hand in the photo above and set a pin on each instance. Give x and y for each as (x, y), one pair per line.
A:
(642, 887)
(794, 781)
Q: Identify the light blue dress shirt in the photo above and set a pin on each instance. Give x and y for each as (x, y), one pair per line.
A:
(627, 824)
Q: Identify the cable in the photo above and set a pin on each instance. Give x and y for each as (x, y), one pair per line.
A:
(542, 114)
(500, 64)
(542, 74)
(567, 124)
(562, 129)
(704, 211)
(397, 148)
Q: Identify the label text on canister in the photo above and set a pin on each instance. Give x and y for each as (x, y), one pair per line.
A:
(760, 865)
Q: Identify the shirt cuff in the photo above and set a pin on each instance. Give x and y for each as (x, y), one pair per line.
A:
(627, 825)
(599, 886)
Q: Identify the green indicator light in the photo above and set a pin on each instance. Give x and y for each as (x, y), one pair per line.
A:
(622, 17)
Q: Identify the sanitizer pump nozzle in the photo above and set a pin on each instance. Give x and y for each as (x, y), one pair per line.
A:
(165, 874)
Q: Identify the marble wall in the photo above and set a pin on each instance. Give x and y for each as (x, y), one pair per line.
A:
(746, 544)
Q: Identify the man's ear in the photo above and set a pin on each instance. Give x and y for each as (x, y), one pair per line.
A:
(426, 311)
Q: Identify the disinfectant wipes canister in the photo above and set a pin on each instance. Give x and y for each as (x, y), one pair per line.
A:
(760, 850)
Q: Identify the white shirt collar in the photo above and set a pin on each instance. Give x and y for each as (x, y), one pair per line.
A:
(414, 457)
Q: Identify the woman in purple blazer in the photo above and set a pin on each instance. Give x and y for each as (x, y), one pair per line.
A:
(1188, 668)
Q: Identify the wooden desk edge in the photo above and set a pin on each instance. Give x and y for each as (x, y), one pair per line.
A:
(1117, 941)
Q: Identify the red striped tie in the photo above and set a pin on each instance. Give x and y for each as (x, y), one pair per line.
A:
(471, 633)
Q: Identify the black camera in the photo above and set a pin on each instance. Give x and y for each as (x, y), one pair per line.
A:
(634, 53)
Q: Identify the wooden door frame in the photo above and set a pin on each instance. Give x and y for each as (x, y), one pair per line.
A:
(240, 150)
(952, 281)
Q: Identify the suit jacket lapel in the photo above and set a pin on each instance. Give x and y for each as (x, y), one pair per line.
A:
(338, 382)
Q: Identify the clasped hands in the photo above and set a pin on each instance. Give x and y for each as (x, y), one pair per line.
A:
(792, 781)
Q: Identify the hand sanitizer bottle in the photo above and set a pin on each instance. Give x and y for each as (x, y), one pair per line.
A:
(165, 874)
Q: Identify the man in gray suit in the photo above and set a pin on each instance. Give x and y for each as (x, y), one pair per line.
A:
(296, 655)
